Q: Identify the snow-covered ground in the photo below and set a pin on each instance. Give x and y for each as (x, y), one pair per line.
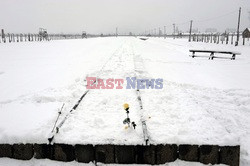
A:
(202, 101)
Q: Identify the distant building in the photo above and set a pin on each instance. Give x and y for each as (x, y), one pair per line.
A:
(84, 34)
(246, 33)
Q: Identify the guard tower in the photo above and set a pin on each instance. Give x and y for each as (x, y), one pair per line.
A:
(84, 34)
(43, 35)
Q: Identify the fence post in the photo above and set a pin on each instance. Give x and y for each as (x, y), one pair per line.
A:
(13, 37)
(232, 39)
(227, 36)
(9, 38)
(3, 36)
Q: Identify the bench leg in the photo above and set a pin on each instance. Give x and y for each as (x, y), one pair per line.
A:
(211, 56)
(233, 57)
(193, 55)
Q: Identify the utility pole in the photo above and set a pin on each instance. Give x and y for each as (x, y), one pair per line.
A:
(116, 31)
(164, 32)
(159, 32)
(238, 29)
(174, 31)
(190, 31)
(155, 32)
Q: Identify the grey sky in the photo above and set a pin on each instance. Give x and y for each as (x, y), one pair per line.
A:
(102, 16)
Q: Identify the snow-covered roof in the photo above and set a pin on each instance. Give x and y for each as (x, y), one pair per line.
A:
(248, 29)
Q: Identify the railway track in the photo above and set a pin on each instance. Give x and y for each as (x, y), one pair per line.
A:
(123, 52)
(138, 69)
(54, 132)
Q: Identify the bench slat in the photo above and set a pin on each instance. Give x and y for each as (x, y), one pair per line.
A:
(214, 51)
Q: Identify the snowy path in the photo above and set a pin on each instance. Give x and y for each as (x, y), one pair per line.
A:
(99, 117)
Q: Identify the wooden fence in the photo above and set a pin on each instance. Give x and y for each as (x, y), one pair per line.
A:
(217, 38)
(225, 38)
(31, 37)
(228, 38)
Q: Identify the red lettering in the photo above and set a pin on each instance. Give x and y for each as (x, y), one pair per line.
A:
(100, 84)
(110, 84)
(91, 82)
(119, 81)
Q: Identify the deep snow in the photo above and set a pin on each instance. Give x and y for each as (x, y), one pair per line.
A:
(202, 102)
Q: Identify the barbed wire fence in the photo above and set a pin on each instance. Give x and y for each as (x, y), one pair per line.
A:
(32, 37)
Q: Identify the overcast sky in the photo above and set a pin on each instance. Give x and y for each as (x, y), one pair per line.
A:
(103, 16)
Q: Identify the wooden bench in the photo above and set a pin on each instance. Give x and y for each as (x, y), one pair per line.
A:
(143, 38)
(212, 52)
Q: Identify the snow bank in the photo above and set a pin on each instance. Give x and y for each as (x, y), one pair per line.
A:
(37, 78)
